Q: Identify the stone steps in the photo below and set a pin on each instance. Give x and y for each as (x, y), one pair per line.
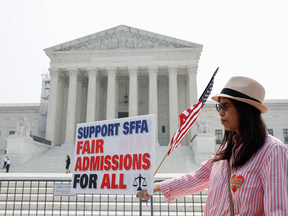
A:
(50, 161)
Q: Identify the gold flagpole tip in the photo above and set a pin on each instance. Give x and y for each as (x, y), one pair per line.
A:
(215, 72)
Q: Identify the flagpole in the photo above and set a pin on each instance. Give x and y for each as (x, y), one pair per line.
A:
(164, 157)
(214, 74)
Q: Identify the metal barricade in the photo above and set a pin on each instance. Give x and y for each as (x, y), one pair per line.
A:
(35, 197)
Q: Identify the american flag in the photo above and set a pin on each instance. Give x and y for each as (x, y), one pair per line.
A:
(189, 116)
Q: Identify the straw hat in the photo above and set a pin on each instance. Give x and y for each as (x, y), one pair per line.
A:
(246, 90)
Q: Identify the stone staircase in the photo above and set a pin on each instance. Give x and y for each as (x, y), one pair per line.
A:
(50, 161)
(33, 197)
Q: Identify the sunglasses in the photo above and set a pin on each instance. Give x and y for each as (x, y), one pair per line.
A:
(222, 106)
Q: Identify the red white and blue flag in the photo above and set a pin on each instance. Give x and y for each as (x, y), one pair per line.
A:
(189, 116)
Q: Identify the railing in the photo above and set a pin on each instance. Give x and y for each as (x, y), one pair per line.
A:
(41, 140)
(35, 197)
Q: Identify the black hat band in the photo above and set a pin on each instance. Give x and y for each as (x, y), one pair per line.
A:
(234, 93)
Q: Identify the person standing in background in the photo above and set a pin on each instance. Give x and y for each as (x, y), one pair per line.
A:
(5, 161)
(67, 164)
(7, 165)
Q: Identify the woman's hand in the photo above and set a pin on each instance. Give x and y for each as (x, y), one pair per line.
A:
(144, 193)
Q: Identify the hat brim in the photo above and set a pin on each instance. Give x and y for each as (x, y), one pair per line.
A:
(263, 109)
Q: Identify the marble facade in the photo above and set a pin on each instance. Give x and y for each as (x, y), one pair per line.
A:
(90, 78)
(12, 115)
(91, 75)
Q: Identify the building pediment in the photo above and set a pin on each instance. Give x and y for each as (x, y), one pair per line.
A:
(123, 38)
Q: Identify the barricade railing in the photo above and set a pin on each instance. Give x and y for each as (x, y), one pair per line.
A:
(41, 140)
(35, 197)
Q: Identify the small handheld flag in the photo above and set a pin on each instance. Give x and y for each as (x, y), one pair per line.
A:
(188, 117)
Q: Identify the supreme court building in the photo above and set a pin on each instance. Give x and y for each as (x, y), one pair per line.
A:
(120, 72)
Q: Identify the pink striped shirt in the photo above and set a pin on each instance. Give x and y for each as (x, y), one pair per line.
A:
(260, 187)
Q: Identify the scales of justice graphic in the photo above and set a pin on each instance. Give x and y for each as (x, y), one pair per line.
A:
(144, 184)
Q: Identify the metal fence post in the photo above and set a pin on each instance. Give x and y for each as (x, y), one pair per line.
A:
(151, 206)
(140, 207)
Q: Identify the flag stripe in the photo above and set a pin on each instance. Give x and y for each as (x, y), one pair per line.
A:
(182, 134)
(182, 131)
(186, 129)
(189, 116)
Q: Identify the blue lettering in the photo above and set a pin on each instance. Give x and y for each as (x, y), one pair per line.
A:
(86, 130)
(126, 128)
(80, 133)
(138, 125)
(132, 126)
(104, 130)
(110, 130)
(92, 130)
(98, 129)
(144, 126)
(116, 128)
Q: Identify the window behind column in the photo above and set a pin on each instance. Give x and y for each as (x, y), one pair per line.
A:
(123, 114)
(270, 131)
(219, 136)
(285, 135)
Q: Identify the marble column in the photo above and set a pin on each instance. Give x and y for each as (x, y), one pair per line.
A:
(51, 115)
(80, 80)
(173, 100)
(192, 95)
(84, 100)
(59, 110)
(116, 95)
(192, 84)
(91, 96)
(153, 99)
(71, 107)
(133, 90)
(97, 116)
(111, 93)
(64, 108)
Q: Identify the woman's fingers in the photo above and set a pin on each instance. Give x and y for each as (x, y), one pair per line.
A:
(143, 194)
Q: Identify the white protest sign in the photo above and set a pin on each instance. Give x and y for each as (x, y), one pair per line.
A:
(115, 156)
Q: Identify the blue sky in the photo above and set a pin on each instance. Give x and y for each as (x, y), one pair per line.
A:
(243, 38)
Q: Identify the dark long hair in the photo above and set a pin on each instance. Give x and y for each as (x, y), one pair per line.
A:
(252, 135)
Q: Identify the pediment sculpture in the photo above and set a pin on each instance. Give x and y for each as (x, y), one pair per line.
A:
(124, 40)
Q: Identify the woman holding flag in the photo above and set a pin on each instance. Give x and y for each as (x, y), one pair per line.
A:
(248, 174)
